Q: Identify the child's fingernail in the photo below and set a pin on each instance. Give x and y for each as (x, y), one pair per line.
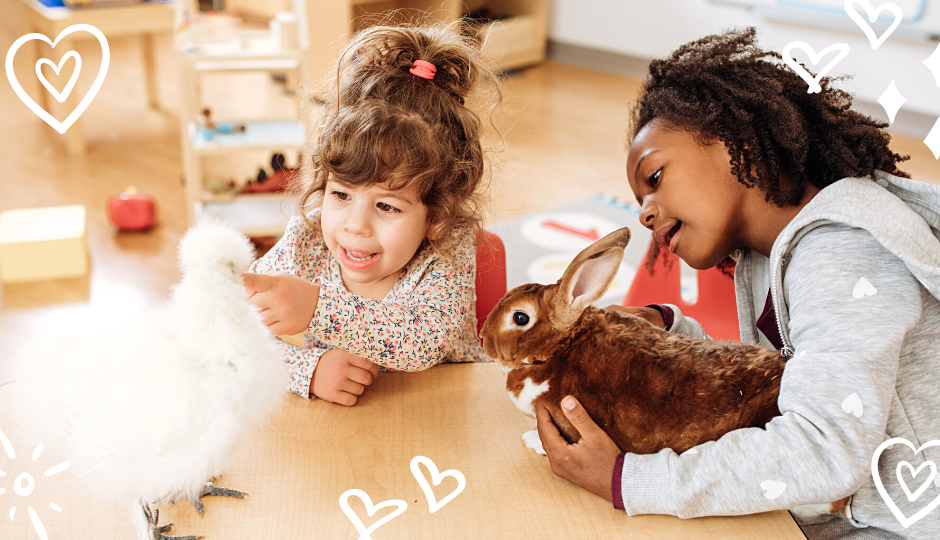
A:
(569, 403)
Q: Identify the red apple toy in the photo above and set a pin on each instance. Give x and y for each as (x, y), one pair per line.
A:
(131, 211)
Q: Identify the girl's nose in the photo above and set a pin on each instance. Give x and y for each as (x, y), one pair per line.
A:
(648, 213)
(357, 221)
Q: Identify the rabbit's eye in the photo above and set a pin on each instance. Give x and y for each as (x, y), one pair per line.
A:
(520, 318)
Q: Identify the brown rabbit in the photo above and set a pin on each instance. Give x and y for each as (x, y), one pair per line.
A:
(647, 388)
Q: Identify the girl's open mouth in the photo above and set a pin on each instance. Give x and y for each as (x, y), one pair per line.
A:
(356, 258)
(670, 238)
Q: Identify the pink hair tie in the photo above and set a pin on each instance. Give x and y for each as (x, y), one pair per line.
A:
(425, 70)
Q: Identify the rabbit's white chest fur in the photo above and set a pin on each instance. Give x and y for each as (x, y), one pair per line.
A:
(524, 397)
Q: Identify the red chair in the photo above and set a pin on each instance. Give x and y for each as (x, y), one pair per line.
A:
(491, 274)
(714, 309)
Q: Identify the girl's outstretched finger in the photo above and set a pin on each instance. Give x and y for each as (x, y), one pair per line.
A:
(256, 282)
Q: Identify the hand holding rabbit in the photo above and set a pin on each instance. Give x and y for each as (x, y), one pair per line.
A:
(588, 463)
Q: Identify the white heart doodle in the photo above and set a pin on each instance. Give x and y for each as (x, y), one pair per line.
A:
(60, 96)
(813, 83)
(853, 405)
(872, 17)
(773, 488)
(436, 478)
(864, 288)
(904, 520)
(364, 533)
(913, 496)
(61, 127)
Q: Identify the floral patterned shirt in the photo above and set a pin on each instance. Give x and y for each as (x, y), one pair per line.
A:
(429, 315)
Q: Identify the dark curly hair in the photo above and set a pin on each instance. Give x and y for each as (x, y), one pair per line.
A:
(725, 87)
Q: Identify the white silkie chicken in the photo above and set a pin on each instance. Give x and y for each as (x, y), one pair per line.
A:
(154, 411)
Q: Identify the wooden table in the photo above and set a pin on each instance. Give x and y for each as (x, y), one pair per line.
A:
(144, 20)
(296, 470)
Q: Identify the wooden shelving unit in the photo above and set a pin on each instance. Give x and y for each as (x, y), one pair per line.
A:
(255, 214)
(516, 40)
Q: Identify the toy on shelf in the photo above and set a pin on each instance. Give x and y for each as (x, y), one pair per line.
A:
(132, 211)
(210, 128)
(279, 180)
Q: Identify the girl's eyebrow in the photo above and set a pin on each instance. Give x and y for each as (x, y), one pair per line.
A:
(394, 194)
(636, 169)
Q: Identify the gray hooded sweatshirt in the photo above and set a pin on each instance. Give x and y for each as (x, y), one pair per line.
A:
(855, 284)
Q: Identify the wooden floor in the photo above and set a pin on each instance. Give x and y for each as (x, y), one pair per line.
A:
(565, 141)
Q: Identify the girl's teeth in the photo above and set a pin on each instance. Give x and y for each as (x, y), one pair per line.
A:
(355, 258)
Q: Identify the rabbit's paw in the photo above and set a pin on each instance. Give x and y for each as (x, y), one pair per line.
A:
(532, 440)
(811, 513)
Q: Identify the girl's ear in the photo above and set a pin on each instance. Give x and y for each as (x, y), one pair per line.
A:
(587, 277)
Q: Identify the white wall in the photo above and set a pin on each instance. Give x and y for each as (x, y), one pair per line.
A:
(653, 28)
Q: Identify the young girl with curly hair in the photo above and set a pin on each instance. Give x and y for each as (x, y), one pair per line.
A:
(836, 259)
(380, 269)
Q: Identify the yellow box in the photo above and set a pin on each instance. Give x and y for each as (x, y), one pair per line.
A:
(43, 243)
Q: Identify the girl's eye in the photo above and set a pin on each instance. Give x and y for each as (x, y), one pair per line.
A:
(653, 179)
(340, 195)
(385, 207)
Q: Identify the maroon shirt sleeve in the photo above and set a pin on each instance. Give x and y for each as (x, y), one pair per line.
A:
(666, 311)
(615, 487)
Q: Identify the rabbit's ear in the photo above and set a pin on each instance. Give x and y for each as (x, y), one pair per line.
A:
(588, 276)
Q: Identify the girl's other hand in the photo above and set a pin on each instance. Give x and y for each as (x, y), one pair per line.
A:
(286, 302)
(651, 315)
(588, 463)
(342, 377)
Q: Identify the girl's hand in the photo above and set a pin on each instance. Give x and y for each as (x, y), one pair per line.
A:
(588, 463)
(341, 377)
(286, 302)
(651, 315)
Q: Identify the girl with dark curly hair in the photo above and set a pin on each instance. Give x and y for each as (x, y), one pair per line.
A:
(836, 264)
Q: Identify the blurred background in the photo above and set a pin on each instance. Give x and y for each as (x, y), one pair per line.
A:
(199, 112)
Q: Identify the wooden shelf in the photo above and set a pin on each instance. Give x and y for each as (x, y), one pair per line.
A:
(247, 63)
(254, 214)
(515, 43)
(270, 135)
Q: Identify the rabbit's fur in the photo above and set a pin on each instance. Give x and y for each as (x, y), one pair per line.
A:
(649, 389)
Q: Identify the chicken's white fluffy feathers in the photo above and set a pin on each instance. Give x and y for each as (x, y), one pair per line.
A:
(153, 411)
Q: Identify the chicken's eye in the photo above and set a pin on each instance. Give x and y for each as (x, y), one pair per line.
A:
(520, 319)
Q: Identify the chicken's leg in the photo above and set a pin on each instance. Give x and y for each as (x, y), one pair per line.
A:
(155, 532)
(212, 489)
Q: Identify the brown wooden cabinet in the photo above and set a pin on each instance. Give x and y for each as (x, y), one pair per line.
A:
(516, 39)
